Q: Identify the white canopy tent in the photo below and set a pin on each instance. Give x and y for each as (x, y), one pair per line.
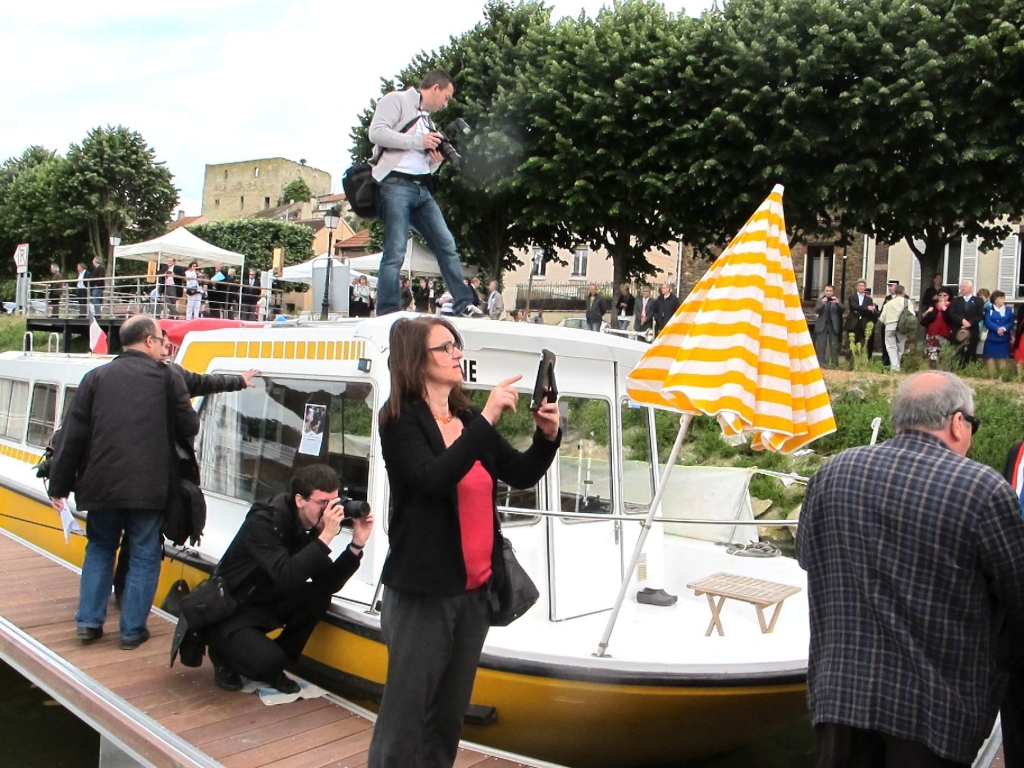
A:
(181, 245)
(419, 262)
(303, 273)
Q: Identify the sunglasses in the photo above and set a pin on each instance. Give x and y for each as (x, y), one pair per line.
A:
(974, 421)
(448, 347)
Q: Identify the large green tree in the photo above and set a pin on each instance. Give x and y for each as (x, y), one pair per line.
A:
(596, 163)
(296, 190)
(257, 239)
(938, 152)
(114, 183)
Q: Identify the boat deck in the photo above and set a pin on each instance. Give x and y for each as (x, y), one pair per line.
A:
(164, 716)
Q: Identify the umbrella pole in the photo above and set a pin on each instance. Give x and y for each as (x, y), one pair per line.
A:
(684, 427)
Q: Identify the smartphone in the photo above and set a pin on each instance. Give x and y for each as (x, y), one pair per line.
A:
(545, 388)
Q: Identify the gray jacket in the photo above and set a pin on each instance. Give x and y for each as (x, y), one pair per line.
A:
(394, 111)
(495, 306)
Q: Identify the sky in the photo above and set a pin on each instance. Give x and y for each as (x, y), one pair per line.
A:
(215, 81)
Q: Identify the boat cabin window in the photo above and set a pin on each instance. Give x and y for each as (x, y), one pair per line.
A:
(251, 442)
(42, 416)
(517, 428)
(637, 457)
(69, 398)
(584, 457)
(13, 404)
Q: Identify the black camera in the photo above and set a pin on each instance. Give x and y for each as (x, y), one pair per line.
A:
(354, 509)
(448, 152)
(43, 467)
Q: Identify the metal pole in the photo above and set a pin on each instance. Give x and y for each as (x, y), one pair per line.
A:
(684, 427)
(326, 306)
(679, 268)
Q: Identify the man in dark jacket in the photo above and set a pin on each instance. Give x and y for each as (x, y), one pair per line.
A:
(625, 305)
(279, 570)
(250, 295)
(828, 328)
(597, 307)
(965, 315)
(119, 470)
(170, 280)
(198, 385)
(665, 307)
(644, 313)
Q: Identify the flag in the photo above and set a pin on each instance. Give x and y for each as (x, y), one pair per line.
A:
(97, 338)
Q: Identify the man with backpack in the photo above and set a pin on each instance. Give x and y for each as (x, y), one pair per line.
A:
(899, 321)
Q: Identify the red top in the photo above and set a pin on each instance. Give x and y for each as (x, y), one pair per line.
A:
(476, 519)
(939, 327)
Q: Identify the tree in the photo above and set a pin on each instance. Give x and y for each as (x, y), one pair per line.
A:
(596, 164)
(113, 183)
(32, 210)
(257, 239)
(295, 191)
(479, 198)
(938, 153)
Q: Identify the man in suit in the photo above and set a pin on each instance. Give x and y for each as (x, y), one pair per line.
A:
(495, 302)
(644, 314)
(172, 277)
(862, 310)
(966, 313)
(907, 592)
(664, 307)
(828, 328)
(250, 295)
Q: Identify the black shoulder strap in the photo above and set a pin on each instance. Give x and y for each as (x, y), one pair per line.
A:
(411, 123)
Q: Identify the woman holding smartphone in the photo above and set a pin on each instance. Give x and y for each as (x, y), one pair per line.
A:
(444, 459)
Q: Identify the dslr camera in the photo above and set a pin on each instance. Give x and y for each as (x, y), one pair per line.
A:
(352, 508)
(447, 150)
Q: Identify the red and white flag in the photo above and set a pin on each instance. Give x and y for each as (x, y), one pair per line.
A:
(97, 338)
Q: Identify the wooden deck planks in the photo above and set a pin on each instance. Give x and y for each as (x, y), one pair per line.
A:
(40, 596)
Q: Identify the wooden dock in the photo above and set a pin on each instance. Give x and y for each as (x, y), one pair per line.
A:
(158, 716)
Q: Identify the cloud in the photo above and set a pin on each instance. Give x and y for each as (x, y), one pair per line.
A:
(211, 81)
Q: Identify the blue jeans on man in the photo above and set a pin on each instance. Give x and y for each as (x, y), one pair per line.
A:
(596, 327)
(405, 203)
(103, 529)
(96, 299)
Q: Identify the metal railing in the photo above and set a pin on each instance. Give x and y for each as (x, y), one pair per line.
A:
(565, 297)
(122, 297)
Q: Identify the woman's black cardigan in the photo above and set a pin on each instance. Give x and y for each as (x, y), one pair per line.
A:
(426, 539)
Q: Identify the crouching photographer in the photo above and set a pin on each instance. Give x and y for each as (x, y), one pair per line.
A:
(279, 571)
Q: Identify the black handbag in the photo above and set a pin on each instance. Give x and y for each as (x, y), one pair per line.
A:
(209, 603)
(362, 191)
(515, 595)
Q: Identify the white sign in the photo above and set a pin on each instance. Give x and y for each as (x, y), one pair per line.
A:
(21, 257)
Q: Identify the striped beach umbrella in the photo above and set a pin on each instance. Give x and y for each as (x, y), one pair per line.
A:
(738, 347)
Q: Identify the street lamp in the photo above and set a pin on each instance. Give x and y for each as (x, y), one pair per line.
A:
(331, 219)
(115, 240)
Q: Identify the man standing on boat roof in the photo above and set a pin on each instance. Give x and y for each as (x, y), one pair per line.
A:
(116, 456)
(405, 157)
(914, 556)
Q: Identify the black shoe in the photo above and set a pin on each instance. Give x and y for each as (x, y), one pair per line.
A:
(285, 684)
(131, 645)
(88, 634)
(226, 678)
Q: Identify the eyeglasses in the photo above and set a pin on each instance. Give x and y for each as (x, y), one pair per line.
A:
(164, 341)
(974, 421)
(448, 347)
(322, 503)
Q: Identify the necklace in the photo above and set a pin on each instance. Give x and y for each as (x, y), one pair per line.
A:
(445, 419)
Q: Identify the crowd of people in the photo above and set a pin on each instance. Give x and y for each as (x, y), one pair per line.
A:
(972, 325)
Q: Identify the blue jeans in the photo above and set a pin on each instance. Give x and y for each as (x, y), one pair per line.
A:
(96, 299)
(404, 203)
(623, 325)
(594, 326)
(103, 528)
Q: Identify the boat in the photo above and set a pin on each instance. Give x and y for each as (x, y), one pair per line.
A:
(664, 691)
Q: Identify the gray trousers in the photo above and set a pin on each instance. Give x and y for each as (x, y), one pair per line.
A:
(434, 646)
(826, 347)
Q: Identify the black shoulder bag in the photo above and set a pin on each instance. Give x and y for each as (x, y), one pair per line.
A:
(516, 593)
(362, 191)
(185, 513)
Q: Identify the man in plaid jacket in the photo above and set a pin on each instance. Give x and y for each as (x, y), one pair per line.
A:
(914, 555)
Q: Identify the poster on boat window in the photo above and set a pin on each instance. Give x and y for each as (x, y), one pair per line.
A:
(314, 424)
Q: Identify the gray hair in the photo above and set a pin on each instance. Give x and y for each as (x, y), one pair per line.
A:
(927, 401)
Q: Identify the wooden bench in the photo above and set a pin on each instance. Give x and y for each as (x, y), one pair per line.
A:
(759, 593)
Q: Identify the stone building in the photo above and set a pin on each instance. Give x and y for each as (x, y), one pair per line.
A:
(238, 190)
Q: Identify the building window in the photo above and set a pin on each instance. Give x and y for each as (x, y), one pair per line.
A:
(579, 262)
(951, 262)
(818, 265)
(241, 201)
(537, 256)
(266, 203)
(13, 400)
(256, 172)
(216, 202)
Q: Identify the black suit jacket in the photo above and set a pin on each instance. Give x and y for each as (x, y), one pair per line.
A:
(426, 540)
(860, 315)
(971, 309)
(174, 290)
(664, 308)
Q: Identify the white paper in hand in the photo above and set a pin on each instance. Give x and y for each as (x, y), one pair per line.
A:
(68, 521)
